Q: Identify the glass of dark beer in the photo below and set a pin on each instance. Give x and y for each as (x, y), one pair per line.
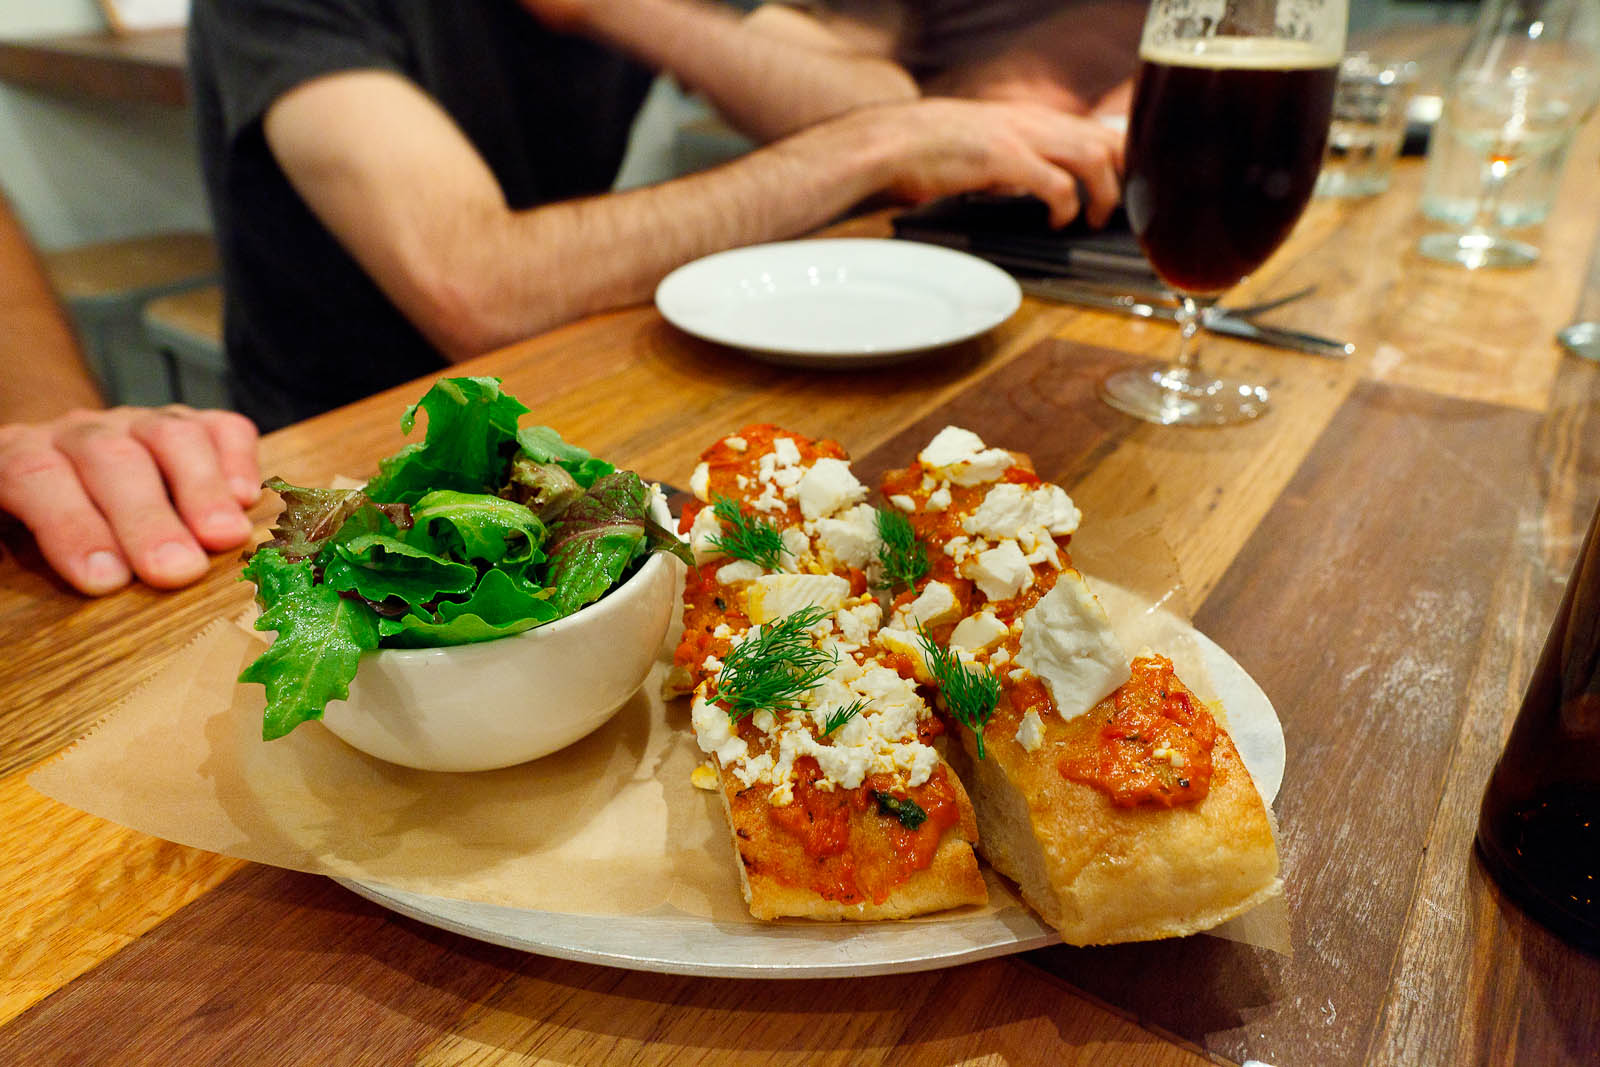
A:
(1229, 122)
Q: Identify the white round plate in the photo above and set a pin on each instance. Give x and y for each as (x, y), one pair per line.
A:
(686, 945)
(839, 303)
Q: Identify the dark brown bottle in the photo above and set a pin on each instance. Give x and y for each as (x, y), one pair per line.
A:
(1539, 830)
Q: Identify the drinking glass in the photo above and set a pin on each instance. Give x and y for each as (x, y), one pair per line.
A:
(1526, 82)
(1226, 136)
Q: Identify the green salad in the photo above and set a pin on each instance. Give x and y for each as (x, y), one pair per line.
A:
(481, 530)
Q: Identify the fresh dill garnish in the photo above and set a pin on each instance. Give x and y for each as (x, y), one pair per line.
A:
(843, 715)
(908, 811)
(748, 538)
(775, 667)
(903, 556)
(970, 693)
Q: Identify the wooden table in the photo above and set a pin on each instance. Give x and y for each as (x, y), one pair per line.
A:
(1383, 553)
(144, 67)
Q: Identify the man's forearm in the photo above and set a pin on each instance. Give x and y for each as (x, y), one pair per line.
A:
(41, 371)
(776, 192)
(769, 74)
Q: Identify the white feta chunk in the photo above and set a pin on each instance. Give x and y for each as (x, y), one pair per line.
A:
(772, 596)
(706, 526)
(903, 502)
(714, 732)
(1000, 572)
(959, 456)
(977, 632)
(1030, 732)
(908, 644)
(851, 537)
(787, 452)
(934, 606)
(735, 442)
(939, 499)
(827, 487)
(700, 482)
(740, 570)
(1068, 643)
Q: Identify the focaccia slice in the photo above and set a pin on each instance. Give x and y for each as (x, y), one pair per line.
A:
(838, 804)
(1107, 791)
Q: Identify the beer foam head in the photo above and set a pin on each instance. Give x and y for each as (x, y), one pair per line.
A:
(1243, 53)
(1191, 33)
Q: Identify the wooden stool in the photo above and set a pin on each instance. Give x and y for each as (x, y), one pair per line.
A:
(105, 287)
(185, 330)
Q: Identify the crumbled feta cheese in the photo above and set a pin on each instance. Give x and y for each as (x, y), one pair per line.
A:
(1008, 509)
(977, 632)
(934, 606)
(959, 456)
(713, 731)
(909, 645)
(706, 526)
(772, 596)
(939, 499)
(1030, 732)
(787, 452)
(857, 624)
(903, 502)
(1000, 572)
(827, 487)
(1000, 657)
(1067, 641)
(740, 570)
(851, 537)
(700, 482)
(735, 442)
(796, 547)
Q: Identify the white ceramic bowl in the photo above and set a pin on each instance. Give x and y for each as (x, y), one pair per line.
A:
(499, 703)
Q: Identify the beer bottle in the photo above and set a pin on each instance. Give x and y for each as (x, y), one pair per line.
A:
(1539, 829)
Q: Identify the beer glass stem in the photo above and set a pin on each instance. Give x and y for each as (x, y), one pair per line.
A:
(1191, 315)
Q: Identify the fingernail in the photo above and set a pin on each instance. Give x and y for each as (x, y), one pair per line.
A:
(244, 489)
(175, 559)
(220, 525)
(104, 571)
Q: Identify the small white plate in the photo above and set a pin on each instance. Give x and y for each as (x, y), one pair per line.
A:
(840, 302)
(673, 944)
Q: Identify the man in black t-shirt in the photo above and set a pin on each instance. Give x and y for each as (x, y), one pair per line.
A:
(398, 184)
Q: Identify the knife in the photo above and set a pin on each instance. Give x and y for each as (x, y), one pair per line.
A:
(1216, 320)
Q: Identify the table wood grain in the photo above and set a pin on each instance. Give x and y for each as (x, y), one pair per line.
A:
(1383, 553)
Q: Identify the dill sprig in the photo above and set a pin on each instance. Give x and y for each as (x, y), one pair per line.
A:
(970, 693)
(843, 715)
(748, 538)
(775, 667)
(903, 556)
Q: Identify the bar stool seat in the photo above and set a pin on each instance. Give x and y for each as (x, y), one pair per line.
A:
(105, 287)
(185, 330)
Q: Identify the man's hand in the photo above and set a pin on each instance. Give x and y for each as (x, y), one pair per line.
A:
(140, 490)
(942, 147)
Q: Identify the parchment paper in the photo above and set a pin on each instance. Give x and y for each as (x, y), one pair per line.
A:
(609, 826)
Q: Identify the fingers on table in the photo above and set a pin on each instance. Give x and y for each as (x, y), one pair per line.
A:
(201, 460)
(40, 486)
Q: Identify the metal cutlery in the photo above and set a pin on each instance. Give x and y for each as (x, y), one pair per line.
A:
(1151, 305)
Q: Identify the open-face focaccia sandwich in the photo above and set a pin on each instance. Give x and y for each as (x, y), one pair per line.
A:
(839, 805)
(1106, 790)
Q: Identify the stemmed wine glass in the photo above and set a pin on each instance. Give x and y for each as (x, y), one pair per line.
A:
(1525, 84)
(1229, 123)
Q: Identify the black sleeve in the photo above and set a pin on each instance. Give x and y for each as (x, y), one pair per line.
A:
(254, 51)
